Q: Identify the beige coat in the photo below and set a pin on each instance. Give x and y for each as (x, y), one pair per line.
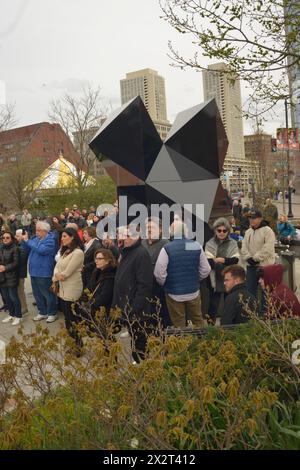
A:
(70, 266)
(259, 244)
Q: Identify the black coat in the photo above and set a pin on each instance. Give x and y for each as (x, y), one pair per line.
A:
(103, 282)
(133, 281)
(9, 257)
(238, 303)
(13, 226)
(23, 261)
(89, 262)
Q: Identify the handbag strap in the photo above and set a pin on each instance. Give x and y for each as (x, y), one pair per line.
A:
(95, 290)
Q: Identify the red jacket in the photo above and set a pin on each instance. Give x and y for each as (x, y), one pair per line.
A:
(280, 295)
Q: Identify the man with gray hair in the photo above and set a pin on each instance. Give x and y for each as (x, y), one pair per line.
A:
(221, 251)
(133, 290)
(42, 250)
(180, 267)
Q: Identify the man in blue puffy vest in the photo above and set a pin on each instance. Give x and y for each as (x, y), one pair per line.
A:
(180, 266)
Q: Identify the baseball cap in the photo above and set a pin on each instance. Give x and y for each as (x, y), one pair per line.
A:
(255, 213)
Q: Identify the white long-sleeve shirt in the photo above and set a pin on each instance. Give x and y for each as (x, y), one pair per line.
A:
(160, 273)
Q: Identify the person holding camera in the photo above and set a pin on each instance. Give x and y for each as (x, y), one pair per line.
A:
(23, 261)
(9, 278)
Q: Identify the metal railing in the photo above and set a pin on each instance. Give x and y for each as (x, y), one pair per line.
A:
(201, 332)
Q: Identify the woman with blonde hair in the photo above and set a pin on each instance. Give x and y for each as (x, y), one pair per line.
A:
(286, 230)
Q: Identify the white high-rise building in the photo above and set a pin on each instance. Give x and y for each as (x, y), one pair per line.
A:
(293, 8)
(228, 97)
(2, 93)
(151, 88)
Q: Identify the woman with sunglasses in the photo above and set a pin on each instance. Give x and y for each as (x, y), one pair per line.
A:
(9, 278)
(221, 251)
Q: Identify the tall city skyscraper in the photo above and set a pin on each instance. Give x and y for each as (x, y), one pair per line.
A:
(228, 97)
(292, 9)
(151, 88)
(2, 93)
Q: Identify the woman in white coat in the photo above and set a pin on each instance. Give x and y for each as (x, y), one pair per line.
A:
(68, 274)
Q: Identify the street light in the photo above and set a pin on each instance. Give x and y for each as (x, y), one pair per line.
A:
(290, 213)
(239, 175)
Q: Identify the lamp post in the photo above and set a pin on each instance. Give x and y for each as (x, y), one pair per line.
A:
(290, 213)
(239, 175)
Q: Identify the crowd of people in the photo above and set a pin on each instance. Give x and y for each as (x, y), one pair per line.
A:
(282, 227)
(154, 282)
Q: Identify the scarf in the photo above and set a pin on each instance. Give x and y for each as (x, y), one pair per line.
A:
(88, 245)
(215, 248)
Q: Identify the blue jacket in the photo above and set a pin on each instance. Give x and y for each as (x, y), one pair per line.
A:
(41, 255)
(286, 229)
(183, 267)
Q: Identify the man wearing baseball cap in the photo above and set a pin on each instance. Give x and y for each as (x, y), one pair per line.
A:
(258, 248)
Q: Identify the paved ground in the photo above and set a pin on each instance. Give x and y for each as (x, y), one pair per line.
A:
(7, 330)
(295, 206)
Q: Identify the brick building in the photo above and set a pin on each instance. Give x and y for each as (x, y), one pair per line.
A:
(43, 142)
(258, 148)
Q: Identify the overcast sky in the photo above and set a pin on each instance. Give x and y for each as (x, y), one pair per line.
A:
(49, 47)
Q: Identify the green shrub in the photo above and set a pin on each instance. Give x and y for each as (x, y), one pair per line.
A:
(228, 390)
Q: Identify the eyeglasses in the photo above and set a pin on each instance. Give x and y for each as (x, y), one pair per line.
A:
(99, 258)
(219, 230)
(6, 238)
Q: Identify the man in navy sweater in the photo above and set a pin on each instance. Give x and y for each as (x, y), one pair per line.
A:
(180, 267)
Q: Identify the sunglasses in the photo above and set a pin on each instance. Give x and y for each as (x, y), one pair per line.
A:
(219, 230)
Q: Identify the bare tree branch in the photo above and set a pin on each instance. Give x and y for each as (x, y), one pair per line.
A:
(17, 184)
(80, 117)
(7, 117)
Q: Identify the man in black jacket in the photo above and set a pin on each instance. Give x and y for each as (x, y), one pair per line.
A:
(13, 224)
(133, 289)
(91, 245)
(239, 302)
(23, 263)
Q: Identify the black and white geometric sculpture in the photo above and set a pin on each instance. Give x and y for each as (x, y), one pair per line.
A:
(183, 169)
